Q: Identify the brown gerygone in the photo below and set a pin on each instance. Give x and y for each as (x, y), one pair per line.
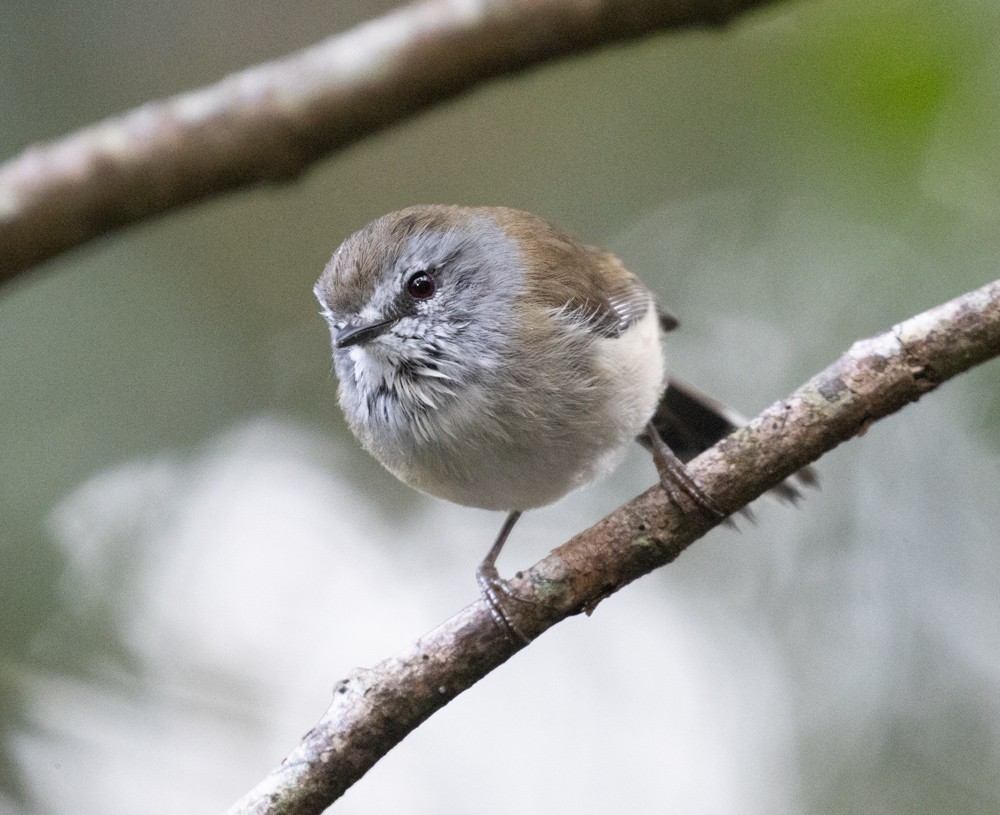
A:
(486, 357)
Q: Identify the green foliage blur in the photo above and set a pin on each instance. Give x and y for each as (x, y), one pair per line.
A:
(805, 177)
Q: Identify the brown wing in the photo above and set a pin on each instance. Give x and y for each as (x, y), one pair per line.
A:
(578, 278)
(626, 299)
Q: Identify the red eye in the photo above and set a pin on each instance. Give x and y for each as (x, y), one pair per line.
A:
(420, 286)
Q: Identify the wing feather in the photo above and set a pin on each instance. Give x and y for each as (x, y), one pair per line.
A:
(589, 283)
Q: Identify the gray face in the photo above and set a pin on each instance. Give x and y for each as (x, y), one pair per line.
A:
(418, 303)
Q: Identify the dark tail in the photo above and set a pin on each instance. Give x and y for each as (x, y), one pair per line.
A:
(690, 422)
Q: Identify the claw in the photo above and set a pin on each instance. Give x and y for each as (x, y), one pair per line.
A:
(495, 592)
(676, 479)
(494, 589)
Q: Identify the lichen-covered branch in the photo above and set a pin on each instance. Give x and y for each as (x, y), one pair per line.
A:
(374, 709)
(271, 122)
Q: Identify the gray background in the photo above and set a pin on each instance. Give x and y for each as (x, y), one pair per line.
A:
(194, 550)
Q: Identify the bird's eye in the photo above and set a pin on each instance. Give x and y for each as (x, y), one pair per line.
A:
(420, 286)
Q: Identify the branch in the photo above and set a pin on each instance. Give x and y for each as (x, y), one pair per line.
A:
(373, 709)
(271, 122)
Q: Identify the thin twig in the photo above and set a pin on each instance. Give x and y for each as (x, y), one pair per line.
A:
(272, 122)
(373, 709)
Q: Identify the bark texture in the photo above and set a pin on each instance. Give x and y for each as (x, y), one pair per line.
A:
(271, 122)
(373, 709)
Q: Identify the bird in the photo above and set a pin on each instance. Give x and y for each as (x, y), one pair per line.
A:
(487, 357)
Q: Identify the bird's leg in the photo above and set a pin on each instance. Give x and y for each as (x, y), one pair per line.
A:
(493, 588)
(675, 477)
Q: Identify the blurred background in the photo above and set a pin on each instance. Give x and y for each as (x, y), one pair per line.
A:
(194, 550)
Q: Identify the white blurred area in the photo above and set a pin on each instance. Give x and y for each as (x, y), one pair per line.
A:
(185, 585)
(248, 578)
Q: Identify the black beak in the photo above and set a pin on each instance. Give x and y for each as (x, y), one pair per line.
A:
(357, 334)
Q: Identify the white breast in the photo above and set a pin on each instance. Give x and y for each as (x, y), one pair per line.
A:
(548, 434)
